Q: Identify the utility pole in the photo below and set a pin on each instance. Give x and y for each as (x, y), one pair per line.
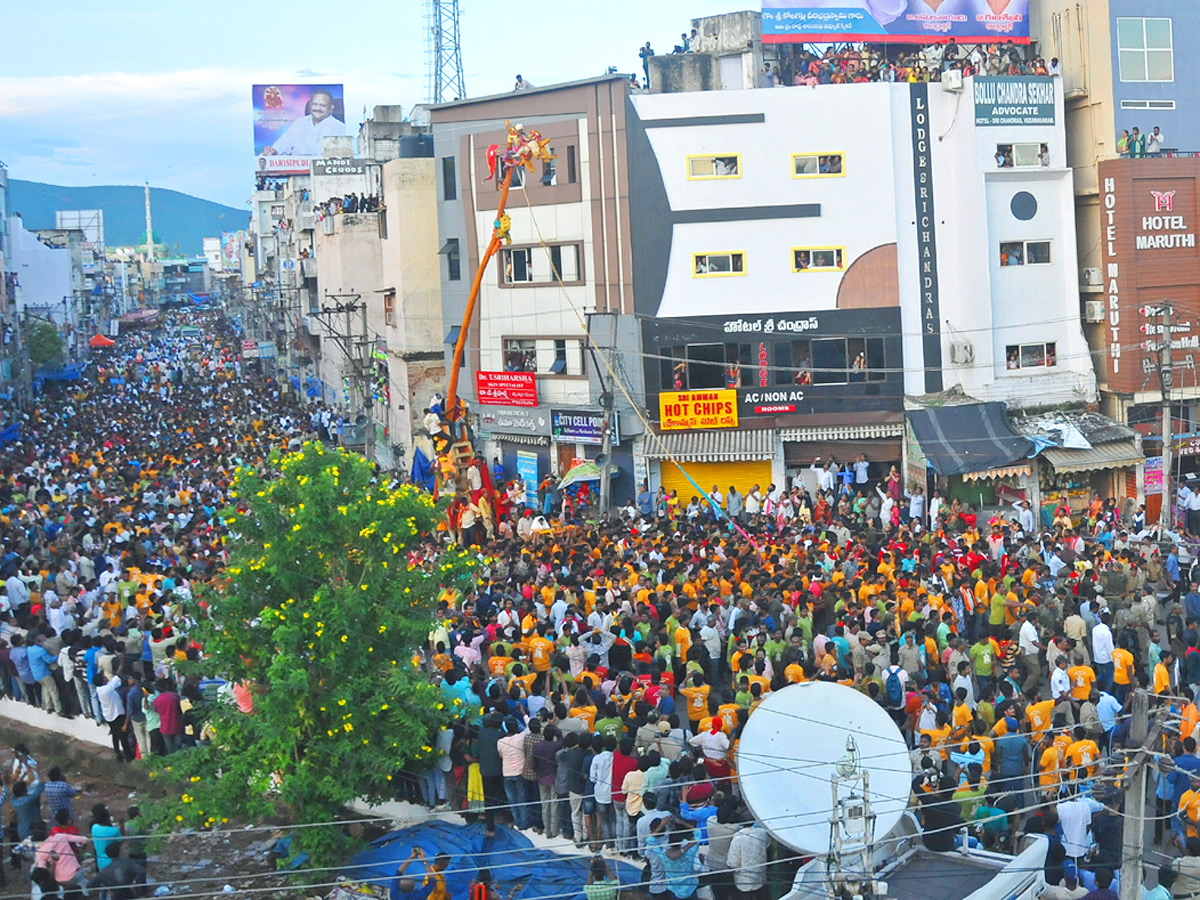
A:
(359, 353)
(607, 404)
(1165, 382)
(1133, 831)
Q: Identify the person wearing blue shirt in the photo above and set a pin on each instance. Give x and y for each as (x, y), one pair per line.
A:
(1172, 567)
(645, 501)
(40, 662)
(1191, 604)
(678, 859)
(26, 803)
(1187, 767)
(700, 815)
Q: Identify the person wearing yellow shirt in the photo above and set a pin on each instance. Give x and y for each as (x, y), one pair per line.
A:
(541, 649)
(696, 696)
(1189, 811)
(1081, 677)
(1162, 673)
(1038, 714)
(1049, 768)
(1083, 754)
(794, 674)
(1122, 672)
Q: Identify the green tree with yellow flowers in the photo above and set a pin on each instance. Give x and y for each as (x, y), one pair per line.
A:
(318, 614)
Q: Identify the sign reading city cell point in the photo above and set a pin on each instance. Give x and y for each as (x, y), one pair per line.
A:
(678, 410)
(506, 388)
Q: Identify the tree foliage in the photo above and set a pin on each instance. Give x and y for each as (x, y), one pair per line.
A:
(45, 345)
(319, 614)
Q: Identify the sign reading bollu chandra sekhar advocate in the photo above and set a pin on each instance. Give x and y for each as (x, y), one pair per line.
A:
(678, 410)
(1014, 100)
(506, 388)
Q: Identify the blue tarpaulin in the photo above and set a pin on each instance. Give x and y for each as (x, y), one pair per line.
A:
(510, 856)
(199, 299)
(11, 433)
(72, 372)
(422, 471)
(295, 381)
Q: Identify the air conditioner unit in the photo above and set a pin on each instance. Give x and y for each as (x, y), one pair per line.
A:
(1093, 311)
(962, 353)
(1091, 276)
(952, 81)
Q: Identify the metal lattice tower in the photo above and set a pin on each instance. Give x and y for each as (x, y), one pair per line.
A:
(445, 76)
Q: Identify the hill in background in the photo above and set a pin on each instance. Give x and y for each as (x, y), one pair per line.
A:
(178, 218)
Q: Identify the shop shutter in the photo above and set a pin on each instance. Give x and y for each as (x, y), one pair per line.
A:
(743, 475)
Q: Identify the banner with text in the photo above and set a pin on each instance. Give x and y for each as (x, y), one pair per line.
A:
(506, 388)
(575, 426)
(289, 122)
(899, 21)
(1013, 100)
(678, 410)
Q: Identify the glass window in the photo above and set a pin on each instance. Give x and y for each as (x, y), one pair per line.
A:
(815, 165)
(518, 266)
(449, 179)
(829, 361)
(1030, 356)
(718, 264)
(817, 259)
(782, 363)
(726, 166)
(572, 173)
(550, 171)
(1025, 253)
(520, 355)
(453, 263)
(1145, 49)
(706, 366)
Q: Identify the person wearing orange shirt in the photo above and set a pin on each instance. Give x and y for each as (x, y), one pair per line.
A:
(696, 696)
(1189, 811)
(1081, 677)
(541, 649)
(1083, 754)
(1162, 674)
(1038, 714)
(1050, 763)
(1122, 673)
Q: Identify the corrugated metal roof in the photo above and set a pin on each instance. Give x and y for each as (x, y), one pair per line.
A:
(731, 445)
(1113, 455)
(1098, 429)
(843, 432)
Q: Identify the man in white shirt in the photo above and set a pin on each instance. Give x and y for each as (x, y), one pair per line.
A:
(754, 501)
(1060, 682)
(1030, 646)
(1024, 516)
(1102, 651)
(303, 136)
(825, 477)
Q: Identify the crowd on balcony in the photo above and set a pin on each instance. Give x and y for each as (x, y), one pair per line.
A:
(350, 203)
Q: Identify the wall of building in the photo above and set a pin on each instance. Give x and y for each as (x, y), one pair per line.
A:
(43, 273)
(1180, 125)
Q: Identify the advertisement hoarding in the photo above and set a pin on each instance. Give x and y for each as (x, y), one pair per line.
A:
(897, 21)
(527, 471)
(506, 388)
(1013, 100)
(339, 166)
(576, 426)
(289, 122)
(231, 250)
(678, 410)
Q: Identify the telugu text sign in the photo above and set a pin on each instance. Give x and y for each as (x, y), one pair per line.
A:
(678, 410)
(506, 388)
(906, 21)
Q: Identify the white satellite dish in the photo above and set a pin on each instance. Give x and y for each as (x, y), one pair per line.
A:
(798, 739)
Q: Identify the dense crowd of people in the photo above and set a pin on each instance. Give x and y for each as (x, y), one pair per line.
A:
(109, 515)
(605, 665)
(608, 669)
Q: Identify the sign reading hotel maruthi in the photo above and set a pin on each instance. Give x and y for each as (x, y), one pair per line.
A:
(679, 410)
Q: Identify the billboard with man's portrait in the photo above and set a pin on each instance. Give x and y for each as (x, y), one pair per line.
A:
(902, 21)
(289, 122)
(231, 250)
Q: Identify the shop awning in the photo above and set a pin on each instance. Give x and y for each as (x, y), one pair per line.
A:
(1002, 472)
(970, 437)
(534, 440)
(843, 432)
(1114, 455)
(733, 445)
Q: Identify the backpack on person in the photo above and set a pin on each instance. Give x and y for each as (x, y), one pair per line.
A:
(893, 688)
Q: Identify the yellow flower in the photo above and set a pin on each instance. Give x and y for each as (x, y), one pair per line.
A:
(179, 818)
(340, 703)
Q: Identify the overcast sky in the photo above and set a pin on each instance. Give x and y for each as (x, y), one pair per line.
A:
(124, 92)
